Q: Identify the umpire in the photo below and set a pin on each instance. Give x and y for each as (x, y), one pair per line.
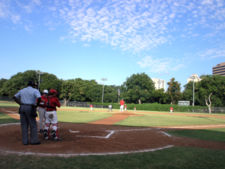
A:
(28, 98)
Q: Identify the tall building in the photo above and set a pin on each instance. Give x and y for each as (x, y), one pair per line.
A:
(159, 83)
(194, 77)
(219, 69)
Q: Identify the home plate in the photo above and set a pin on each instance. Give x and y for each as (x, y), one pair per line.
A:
(72, 131)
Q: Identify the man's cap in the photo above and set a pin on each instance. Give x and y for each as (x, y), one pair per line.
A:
(45, 91)
(31, 83)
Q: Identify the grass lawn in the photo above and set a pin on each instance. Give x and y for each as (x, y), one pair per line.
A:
(8, 104)
(81, 116)
(157, 120)
(173, 158)
(207, 134)
(4, 118)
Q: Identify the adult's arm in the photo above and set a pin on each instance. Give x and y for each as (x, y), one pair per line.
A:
(17, 100)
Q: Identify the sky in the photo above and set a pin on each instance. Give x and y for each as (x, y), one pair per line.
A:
(112, 39)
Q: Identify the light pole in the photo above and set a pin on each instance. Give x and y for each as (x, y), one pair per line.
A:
(39, 78)
(193, 103)
(103, 79)
(193, 77)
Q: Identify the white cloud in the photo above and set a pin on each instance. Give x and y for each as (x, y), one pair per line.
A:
(160, 65)
(37, 2)
(213, 53)
(15, 19)
(132, 25)
(141, 25)
(3, 9)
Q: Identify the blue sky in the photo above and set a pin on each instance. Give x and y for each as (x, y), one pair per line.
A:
(113, 39)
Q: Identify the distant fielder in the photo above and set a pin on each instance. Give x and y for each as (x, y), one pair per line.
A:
(122, 105)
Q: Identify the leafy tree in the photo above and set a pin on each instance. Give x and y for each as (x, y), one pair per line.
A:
(2, 81)
(138, 88)
(50, 81)
(214, 84)
(174, 91)
(67, 90)
(18, 82)
(93, 91)
(159, 96)
(81, 90)
(111, 94)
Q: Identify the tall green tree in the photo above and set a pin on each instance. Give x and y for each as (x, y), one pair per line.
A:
(214, 85)
(2, 81)
(20, 80)
(80, 90)
(50, 81)
(138, 88)
(111, 94)
(67, 89)
(160, 96)
(174, 91)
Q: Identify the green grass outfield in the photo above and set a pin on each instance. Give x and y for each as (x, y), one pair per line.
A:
(172, 158)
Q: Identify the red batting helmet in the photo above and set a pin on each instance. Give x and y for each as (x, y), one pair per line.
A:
(52, 91)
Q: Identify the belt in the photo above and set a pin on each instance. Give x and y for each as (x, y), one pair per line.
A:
(27, 104)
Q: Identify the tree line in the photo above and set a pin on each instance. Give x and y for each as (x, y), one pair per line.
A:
(138, 88)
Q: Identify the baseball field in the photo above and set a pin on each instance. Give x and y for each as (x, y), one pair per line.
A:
(117, 140)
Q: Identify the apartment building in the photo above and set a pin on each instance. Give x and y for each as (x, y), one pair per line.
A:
(219, 69)
(159, 83)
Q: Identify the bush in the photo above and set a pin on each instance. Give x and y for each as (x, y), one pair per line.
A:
(157, 107)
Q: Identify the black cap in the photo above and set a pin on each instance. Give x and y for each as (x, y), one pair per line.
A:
(31, 83)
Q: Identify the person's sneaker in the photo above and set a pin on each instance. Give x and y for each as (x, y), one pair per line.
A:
(45, 133)
(57, 139)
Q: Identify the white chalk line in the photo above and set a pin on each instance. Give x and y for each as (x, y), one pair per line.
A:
(12, 112)
(86, 154)
(9, 124)
(72, 131)
(111, 132)
(165, 133)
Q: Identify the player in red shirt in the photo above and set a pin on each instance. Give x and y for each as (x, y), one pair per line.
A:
(122, 105)
(51, 115)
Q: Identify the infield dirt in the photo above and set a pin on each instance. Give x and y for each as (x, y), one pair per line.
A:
(98, 137)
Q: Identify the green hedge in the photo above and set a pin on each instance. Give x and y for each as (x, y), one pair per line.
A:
(158, 107)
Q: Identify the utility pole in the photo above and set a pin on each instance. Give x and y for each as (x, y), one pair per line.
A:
(193, 103)
(103, 79)
(39, 78)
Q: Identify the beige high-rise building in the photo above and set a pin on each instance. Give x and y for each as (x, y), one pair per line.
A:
(219, 69)
(159, 83)
(194, 77)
